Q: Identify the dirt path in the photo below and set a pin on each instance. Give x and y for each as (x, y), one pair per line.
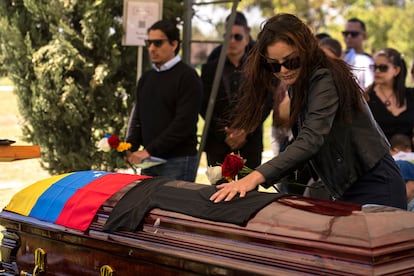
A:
(17, 174)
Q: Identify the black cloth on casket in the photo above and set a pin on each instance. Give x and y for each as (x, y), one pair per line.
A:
(182, 197)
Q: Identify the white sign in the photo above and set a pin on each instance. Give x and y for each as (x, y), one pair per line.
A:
(139, 15)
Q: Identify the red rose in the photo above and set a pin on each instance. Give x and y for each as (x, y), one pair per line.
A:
(113, 141)
(232, 165)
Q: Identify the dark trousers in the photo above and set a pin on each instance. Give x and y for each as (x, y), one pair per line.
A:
(383, 185)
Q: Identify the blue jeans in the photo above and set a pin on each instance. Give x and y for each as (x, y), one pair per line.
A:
(178, 168)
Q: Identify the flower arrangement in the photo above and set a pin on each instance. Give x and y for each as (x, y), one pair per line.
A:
(118, 149)
(232, 168)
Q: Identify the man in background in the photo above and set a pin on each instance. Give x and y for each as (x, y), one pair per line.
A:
(164, 120)
(354, 37)
(241, 20)
(221, 140)
(331, 47)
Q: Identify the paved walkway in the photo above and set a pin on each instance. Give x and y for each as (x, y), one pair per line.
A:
(6, 88)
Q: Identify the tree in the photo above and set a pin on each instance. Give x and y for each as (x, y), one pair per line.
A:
(74, 80)
(392, 30)
(386, 20)
(316, 13)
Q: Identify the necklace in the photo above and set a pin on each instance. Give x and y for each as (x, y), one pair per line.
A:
(387, 101)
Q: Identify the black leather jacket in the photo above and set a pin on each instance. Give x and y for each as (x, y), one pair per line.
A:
(339, 153)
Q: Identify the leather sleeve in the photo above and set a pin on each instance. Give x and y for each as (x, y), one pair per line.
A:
(316, 123)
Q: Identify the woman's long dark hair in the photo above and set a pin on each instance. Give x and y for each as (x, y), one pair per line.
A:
(396, 59)
(258, 82)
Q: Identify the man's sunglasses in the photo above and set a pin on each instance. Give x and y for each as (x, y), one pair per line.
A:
(353, 34)
(382, 67)
(237, 37)
(157, 42)
(274, 67)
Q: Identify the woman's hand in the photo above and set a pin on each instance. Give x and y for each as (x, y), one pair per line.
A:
(227, 191)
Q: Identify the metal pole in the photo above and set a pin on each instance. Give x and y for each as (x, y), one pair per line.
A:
(217, 79)
(139, 73)
(187, 25)
(139, 62)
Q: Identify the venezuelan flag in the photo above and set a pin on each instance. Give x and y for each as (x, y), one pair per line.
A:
(71, 199)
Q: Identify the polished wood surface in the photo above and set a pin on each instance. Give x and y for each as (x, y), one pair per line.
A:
(279, 240)
(291, 236)
(18, 152)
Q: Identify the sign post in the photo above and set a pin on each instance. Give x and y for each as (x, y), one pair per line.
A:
(138, 16)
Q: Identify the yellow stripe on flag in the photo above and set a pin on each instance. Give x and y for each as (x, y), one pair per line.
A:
(22, 202)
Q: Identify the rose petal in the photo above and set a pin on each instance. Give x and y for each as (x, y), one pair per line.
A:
(214, 174)
(231, 166)
(103, 145)
(113, 141)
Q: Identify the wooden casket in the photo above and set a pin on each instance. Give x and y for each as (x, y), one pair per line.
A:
(285, 235)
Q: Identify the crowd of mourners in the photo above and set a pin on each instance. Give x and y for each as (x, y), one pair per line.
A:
(342, 118)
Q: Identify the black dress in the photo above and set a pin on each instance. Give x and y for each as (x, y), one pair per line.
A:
(390, 124)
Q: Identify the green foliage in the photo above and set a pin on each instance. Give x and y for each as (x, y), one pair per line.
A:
(387, 26)
(173, 10)
(387, 21)
(74, 80)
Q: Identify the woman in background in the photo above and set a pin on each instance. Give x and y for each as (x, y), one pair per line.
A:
(390, 101)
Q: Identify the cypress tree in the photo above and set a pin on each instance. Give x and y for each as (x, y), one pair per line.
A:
(74, 80)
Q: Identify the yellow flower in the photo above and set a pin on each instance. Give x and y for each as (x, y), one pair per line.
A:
(123, 146)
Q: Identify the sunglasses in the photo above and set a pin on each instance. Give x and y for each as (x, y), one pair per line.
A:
(157, 42)
(237, 37)
(353, 34)
(382, 67)
(274, 67)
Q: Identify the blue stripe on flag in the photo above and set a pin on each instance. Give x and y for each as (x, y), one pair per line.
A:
(50, 204)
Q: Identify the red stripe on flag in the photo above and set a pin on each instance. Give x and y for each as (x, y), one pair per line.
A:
(81, 208)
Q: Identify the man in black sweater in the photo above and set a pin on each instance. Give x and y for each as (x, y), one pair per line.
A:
(164, 120)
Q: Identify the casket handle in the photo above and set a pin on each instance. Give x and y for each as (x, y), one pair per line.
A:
(40, 261)
(106, 270)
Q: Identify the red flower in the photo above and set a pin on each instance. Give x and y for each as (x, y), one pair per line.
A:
(232, 165)
(113, 141)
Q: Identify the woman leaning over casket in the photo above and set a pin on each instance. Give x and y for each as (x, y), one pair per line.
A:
(333, 128)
